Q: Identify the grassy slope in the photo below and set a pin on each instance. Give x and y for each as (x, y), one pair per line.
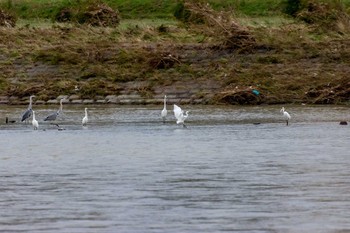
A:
(145, 8)
(49, 61)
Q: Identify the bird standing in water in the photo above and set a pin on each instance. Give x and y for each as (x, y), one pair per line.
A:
(35, 122)
(164, 112)
(28, 113)
(85, 119)
(286, 115)
(54, 115)
(180, 115)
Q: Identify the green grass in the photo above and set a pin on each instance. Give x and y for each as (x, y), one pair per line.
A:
(128, 8)
(136, 9)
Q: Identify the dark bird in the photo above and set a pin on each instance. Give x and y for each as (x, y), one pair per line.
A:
(29, 111)
(54, 115)
(9, 121)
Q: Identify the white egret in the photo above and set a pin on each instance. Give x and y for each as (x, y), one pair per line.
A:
(286, 115)
(85, 119)
(164, 112)
(180, 115)
(35, 122)
(54, 115)
(28, 112)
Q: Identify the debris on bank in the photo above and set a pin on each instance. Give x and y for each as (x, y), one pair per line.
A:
(163, 61)
(330, 94)
(240, 96)
(326, 16)
(95, 14)
(7, 20)
(219, 24)
(100, 15)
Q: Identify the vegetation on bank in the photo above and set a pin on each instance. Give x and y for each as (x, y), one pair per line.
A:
(227, 49)
(138, 9)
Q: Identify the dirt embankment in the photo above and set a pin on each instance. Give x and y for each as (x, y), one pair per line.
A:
(214, 62)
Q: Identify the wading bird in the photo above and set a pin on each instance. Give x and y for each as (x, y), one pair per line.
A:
(286, 115)
(180, 115)
(54, 115)
(35, 122)
(85, 119)
(28, 112)
(164, 111)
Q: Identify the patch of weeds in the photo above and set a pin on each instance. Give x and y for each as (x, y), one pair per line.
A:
(129, 58)
(231, 79)
(269, 60)
(57, 56)
(126, 76)
(95, 71)
(163, 28)
(64, 86)
(97, 87)
(3, 84)
(294, 86)
(145, 91)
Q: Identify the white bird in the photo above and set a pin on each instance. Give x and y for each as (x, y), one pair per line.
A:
(35, 122)
(164, 112)
(28, 112)
(85, 119)
(286, 115)
(180, 115)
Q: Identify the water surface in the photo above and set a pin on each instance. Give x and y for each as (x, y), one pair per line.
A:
(128, 172)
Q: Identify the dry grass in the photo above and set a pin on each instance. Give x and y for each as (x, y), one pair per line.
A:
(289, 61)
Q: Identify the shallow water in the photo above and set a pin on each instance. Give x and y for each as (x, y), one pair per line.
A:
(128, 172)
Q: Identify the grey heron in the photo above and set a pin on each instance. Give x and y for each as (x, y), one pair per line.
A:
(286, 115)
(180, 115)
(164, 112)
(85, 119)
(28, 112)
(35, 122)
(54, 115)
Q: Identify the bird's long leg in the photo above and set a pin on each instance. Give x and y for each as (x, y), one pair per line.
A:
(287, 122)
(184, 126)
(55, 124)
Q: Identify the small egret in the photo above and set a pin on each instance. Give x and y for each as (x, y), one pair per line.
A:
(164, 111)
(286, 115)
(180, 115)
(35, 122)
(85, 119)
(28, 112)
(54, 115)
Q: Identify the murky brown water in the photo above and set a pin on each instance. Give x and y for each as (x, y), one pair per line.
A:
(128, 172)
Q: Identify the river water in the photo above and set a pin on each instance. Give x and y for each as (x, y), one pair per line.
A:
(234, 169)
